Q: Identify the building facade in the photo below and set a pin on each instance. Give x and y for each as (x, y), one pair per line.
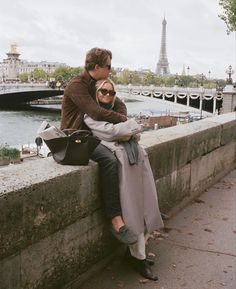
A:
(13, 66)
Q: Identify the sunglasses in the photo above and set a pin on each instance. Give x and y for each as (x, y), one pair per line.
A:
(107, 92)
(108, 66)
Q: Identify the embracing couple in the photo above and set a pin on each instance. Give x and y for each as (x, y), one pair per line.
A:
(128, 188)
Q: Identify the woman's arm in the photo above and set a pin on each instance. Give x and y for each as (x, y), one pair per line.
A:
(112, 132)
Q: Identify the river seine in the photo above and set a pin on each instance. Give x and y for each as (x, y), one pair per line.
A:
(20, 126)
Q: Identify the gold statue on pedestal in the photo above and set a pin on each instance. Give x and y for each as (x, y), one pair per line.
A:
(14, 47)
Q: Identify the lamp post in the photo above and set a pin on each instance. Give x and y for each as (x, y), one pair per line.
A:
(201, 95)
(201, 79)
(188, 68)
(209, 74)
(229, 71)
(176, 79)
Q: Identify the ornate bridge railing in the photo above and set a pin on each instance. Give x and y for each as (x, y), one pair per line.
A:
(12, 94)
(19, 87)
(201, 98)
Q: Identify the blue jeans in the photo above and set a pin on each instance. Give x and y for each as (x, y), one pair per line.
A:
(108, 171)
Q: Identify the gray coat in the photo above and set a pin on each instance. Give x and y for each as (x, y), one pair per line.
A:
(138, 193)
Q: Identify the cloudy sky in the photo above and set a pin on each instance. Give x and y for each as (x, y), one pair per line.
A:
(59, 30)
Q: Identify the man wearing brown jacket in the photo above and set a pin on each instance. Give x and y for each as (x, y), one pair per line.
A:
(79, 99)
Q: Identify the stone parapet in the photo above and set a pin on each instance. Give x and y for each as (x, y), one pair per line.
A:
(229, 99)
(52, 228)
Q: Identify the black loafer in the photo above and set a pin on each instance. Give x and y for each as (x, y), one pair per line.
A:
(145, 270)
(125, 235)
(141, 266)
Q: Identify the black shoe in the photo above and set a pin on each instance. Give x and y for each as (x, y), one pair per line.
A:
(141, 266)
(125, 235)
(145, 270)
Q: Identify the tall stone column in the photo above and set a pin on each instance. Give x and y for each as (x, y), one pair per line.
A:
(229, 99)
(229, 93)
(13, 63)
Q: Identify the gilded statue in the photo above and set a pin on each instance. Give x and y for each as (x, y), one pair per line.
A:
(13, 47)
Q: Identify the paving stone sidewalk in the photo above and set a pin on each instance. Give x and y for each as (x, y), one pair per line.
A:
(196, 251)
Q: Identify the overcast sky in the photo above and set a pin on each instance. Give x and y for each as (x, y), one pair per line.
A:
(59, 30)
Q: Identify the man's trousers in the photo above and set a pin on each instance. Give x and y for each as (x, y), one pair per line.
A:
(108, 172)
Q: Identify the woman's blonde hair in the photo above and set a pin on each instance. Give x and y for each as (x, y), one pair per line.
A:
(99, 85)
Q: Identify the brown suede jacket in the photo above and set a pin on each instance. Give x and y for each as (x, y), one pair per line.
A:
(80, 98)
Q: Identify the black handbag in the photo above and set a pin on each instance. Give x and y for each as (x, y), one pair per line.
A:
(74, 149)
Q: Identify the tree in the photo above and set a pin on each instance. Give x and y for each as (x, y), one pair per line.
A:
(38, 74)
(23, 77)
(64, 73)
(229, 14)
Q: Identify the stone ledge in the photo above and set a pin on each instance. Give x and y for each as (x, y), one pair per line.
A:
(49, 212)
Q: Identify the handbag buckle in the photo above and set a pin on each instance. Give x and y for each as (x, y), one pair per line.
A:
(78, 141)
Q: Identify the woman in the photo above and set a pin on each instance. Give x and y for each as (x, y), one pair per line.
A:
(138, 194)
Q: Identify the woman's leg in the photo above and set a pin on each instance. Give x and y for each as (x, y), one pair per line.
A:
(138, 250)
(136, 257)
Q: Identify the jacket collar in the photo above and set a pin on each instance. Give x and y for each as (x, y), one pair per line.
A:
(90, 79)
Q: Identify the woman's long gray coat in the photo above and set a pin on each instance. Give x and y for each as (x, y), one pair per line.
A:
(138, 193)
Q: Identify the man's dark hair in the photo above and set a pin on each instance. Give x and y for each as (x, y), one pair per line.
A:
(97, 56)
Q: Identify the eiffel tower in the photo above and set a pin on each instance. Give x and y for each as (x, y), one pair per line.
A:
(163, 65)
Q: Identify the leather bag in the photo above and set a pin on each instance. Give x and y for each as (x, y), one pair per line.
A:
(74, 149)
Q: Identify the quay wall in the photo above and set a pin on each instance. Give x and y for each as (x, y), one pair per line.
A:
(53, 233)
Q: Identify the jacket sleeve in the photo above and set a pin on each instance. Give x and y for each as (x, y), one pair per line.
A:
(112, 132)
(120, 107)
(82, 99)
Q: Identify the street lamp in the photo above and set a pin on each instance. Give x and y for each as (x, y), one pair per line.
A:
(209, 74)
(201, 94)
(176, 79)
(188, 69)
(229, 71)
(201, 79)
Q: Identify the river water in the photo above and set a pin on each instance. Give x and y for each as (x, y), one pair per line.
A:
(20, 126)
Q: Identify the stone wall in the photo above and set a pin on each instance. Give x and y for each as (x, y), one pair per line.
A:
(52, 228)
(229, 99)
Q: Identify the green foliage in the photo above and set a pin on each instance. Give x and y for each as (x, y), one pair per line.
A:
(23, 77)
(38, 74)
(64, 74)
(127, 76)
(6, 151)
(229, 13)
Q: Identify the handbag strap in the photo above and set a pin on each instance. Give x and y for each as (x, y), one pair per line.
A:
(75, 132)
(81, 133)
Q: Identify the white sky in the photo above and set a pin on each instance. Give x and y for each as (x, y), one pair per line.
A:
(59, 30)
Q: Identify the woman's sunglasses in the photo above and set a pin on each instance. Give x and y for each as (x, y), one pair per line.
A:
(107, 92)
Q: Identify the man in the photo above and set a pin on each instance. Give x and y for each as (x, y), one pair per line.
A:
(80, 99)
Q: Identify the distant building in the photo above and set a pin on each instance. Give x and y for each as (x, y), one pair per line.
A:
(163, 64)
(48, 67)
(12, 66)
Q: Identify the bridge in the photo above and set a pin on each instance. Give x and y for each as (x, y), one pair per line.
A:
(199, 97)
(18, 93)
